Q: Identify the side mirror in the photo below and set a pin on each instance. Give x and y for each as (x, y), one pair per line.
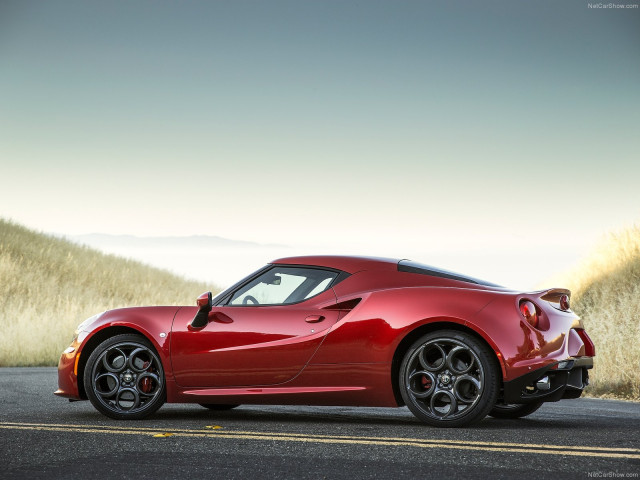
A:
(205, 304)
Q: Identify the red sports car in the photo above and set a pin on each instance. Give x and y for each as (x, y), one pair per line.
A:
(331, 330)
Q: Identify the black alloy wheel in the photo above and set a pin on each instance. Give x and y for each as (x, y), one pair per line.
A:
(449, 378)
(124, 378)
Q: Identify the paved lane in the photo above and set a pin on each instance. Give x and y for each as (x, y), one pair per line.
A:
(42, 436)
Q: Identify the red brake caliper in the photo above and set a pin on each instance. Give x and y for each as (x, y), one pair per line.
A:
(145, 384)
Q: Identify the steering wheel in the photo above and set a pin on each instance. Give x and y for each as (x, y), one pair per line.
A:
(250, 298)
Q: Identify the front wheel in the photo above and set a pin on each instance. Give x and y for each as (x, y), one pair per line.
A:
(124, 378)
(512, 410)
(449, 379)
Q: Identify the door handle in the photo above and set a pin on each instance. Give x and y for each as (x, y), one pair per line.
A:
(314, 318)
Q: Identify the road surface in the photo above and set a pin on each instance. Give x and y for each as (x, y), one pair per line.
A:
(43, 436)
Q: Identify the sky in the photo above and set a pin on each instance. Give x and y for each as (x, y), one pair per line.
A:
(499, 139)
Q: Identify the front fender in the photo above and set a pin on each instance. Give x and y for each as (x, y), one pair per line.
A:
(154, 323)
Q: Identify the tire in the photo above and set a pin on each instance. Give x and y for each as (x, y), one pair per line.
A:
(449, 378)
(124, 378)
(218, 407)
(513, 410)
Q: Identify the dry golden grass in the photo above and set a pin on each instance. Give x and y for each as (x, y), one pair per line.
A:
(606, 294)
(49, 285)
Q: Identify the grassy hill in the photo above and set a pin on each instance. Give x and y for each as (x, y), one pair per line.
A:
(606, 294)
(49, 285)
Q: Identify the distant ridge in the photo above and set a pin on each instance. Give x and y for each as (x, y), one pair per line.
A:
(193, 241)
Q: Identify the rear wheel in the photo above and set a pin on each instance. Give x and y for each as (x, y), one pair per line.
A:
(218, 407)
(449, 379)
(514, 410)
(124, 378)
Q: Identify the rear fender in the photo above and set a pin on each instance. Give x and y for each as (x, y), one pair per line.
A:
(372, 331)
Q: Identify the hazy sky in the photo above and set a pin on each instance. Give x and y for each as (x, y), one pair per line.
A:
(480, 131)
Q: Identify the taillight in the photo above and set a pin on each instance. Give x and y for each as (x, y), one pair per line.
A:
(564, 302)
(589, 347)
(529, 312)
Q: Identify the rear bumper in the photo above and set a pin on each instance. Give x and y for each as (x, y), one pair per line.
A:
(566, 379)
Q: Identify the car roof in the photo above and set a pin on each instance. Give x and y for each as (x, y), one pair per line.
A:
(349, 264)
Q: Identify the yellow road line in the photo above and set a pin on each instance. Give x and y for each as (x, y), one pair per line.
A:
(571, 450)
(346, 437)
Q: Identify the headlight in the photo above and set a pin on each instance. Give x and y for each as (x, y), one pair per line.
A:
(86, 323)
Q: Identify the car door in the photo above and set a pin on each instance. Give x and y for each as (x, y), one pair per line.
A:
(261, 335)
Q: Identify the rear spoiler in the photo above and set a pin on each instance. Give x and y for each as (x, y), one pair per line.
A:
(555, 297)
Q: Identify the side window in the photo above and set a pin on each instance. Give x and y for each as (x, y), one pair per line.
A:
(284, 285)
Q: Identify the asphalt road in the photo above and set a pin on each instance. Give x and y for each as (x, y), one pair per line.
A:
(43, 436)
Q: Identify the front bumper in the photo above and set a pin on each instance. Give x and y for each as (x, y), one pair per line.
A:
(566, 379)
(68, 372)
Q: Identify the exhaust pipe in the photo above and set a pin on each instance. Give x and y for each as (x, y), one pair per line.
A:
(543, 383)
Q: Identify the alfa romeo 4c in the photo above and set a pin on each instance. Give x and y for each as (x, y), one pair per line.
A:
(331, 330)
